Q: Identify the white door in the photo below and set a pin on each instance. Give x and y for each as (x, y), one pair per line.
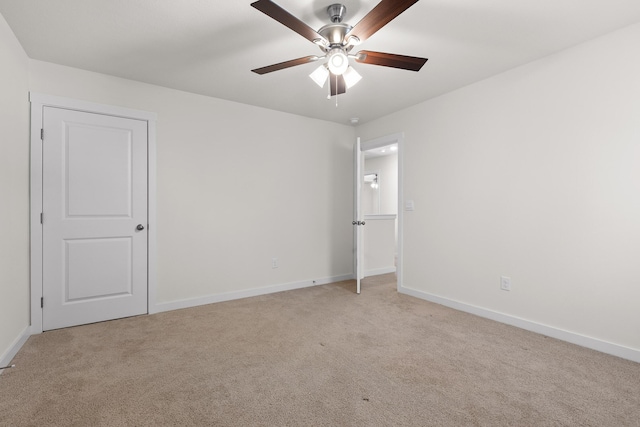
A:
(358, 222)
(94, 217)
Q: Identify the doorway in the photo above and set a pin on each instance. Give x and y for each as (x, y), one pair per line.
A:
(92, 212)
(381, 202)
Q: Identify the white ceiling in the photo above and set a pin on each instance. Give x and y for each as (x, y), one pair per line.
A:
(387, 150)
(210, 46)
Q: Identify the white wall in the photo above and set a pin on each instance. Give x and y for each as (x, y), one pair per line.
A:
(234, 187)
(14, 191)
(532, 174)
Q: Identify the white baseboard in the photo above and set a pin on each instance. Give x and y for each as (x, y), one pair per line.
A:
(15, 347)
(379, 271)
(228, 296)
(550, 331)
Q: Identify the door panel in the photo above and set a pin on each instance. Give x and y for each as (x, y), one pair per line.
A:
(97, 268)
(94, 197)
(99, 174)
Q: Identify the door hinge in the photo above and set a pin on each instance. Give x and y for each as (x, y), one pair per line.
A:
(41, 302)
(42, 134)
(41, 218)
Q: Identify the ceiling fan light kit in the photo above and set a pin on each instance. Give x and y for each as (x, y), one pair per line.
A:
(320, 75)
(337, 61)
(336, 41)
(351, 77)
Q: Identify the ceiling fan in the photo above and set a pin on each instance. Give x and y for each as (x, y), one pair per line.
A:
(337, 39)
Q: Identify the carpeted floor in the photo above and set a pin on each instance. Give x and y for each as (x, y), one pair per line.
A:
(320, 356)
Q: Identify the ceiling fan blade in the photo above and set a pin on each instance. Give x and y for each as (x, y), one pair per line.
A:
(411, 63)
(381, 15)
(285, 64)
(338, 85)
(271, 9)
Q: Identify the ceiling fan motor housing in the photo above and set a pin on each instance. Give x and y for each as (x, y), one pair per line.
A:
(336, 12)
(335, 33)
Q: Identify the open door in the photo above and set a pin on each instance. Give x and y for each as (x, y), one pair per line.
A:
(358, 222)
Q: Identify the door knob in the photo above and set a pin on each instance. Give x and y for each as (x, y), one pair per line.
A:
(354, 223)
(140, 227)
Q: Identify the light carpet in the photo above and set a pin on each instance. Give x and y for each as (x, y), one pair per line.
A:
(320, 356)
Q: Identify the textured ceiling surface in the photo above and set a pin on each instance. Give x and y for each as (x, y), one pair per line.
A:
(209, 47)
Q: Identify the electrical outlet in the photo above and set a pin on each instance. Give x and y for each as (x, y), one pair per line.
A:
(274, 262)
(505, 283)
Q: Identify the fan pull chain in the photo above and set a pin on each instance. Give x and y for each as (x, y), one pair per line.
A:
(336, 91)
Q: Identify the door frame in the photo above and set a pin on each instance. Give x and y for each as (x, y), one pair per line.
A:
(396, 138)
(38, 102)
